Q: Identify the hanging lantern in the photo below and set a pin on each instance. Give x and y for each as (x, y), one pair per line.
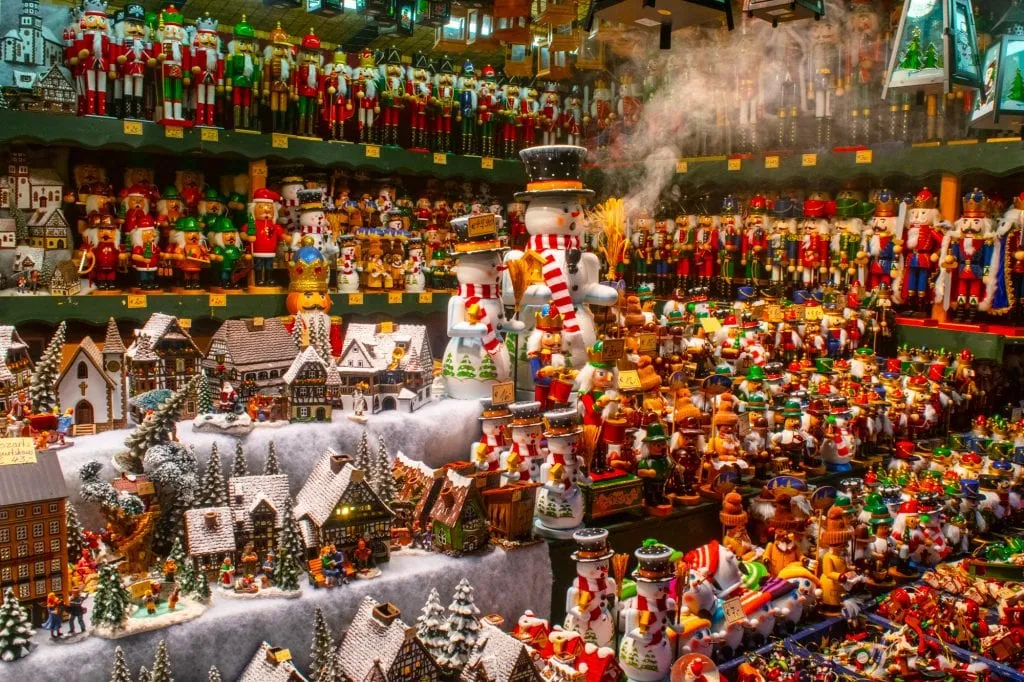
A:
(482, 28)
(325, 8)
(452, 36)
(406, 17)
(1000, 105)
(433, 13)
(383, 11)
(778, 12)
(936, 47)
(512, 20)
(590, 54)
(518, 60)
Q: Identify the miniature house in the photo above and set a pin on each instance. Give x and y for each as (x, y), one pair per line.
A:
(257, 507)
(306, 388)
(458, 519)
(65, 280)
(162, 356)
(15, 367)
(209, 536)
(55, 91)
(379, 646)
(510, 510)
(430, 487)
(336, 506)
(393, 360)
(271, 664)
(91, 382)
(253, 354)
(500, 657)
(34, 188)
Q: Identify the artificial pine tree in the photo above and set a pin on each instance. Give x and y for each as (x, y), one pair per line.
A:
(175, 473)
(215, 491)
(297, 333)
(204, 402)
(75, 541)
(448, 368)
(932, 60)
(432, 625)
(463, 628)
(188, 577)
(320, 337)
(363, 460)
(15, 628)
(239, 467)
(911, 60)
(144, 675)
(271, 467)
(111, 600)
(214, 674)
(322, 665)
(384, 475)
(158, 427)
(162, 664)
(290, 553)
(120, 673)
(1016, 92)
(202, 591)
(43, 389)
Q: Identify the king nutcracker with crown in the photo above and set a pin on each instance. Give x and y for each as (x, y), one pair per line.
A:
(175, 63)
(309, 299)
(242, 76)
(278, 67)
(884, 244)
(592, 601)
(94, 56)
(207, 70)
(365, 93)
(923, 241)
(307, 85)
(965, 259)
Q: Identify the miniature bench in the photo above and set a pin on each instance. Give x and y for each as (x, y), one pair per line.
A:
(316, 573)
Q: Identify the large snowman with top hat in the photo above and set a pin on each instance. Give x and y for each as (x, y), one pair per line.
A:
(555, 222)
(646, 651)
(558, 512)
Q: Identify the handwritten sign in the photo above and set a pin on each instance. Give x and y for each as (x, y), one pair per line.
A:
(482, 226)
(734, 164)
(185, 322)
(209, 135)
(629, 380)
(17, 451)
(809, 160)
(864, 156)
(133, 127)
(440, 159)
(773, 313)
(813, 312)
(136, 301)
(733, 611)
(218, 300)
(372, 151)
(682, 167)
(771, 162)
(355, 298)
(426, 297)
(487, 163)
(279, 141)
(647, 342)
(503, 393)
(710, 324)
(394, 297)
(613, 349)
(174, 132)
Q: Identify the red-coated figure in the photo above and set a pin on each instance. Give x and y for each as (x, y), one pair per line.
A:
(445, 106)
(336, 105)
(419, 88)
(134, 56)
(923, 239)
(705, 243)
(264, 234)
(102, 256)
(307, 84)
(94, 55)
(207, 70)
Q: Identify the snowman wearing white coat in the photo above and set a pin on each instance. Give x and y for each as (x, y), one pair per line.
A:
(555, 222)
(591, 602)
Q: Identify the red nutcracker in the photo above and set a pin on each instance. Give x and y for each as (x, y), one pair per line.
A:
(1015, 255)
(94, 56)
(175, 61)
(814, 247)
(207, 70)
(571, 119)
(307, 85)
(102, 256)
(71, 59)
(550, 114)
(754, 248)
(705, 245)
(444, 106)
(337, 108)
(135, 56)
(420, 91)
(364, 93)
(685, 245)
(923, 240)
(488, 104)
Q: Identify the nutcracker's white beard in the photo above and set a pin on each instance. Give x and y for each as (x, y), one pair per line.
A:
(285, 69)
(137, 47)
(247, 68)
(211, 60)
(97, 45)
(176, 51)
(311, 77)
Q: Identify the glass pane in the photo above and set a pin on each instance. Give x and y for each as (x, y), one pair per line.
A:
(471, 26)
(1011, 90)
(453, 29)
(919, 57)
(485, 25)
(965, 44)
(517, 53)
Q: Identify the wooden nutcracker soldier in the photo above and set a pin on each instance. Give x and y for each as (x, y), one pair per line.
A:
(242, 76)
(730, 237)
(571, 119)
(207, 70)
(685, 246)
(630, 105)
(175, 61)
(364, 93)
(642, 251)
(813, 254)
(705, 248)
(965, 258)
(1015, 260)
(444, 107)
(392, 96)
(602, 115)
(94, 56)
(337, 107)
(467, 108)
(923, 241)
(513, 117)
(849, 242)
(863, 67)
(664, 255)
(824, 78)
(135, 56)
(278, 66)
(549, 115)
(754, 251)
(420, 91)
(883, 242)
(71, 59)
(488, 109)
(307, 85)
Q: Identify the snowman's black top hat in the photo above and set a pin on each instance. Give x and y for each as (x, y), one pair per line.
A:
(553, 171)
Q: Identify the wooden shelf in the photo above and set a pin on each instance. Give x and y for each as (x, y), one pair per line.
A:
(984, 340)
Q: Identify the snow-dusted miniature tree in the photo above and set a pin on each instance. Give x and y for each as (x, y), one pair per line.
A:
(364, 460)
(214, 674)
(111, 600)
(202, 591)
(157, 427)
(173, 469)
(144, 675)
(239, 467)
(188, 577)
(297, 333)
(322, 661)
(271, 467)
(215, 491)
(204, 401)
(120, 673)
(43, 389)
(15, 628)
(290, 553)
(162, 664)
(76, 543)
(432, 625)
(320, 337)
(463, 628)
(383, 479)
(103, 493)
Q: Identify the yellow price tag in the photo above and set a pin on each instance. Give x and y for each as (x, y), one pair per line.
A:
(394, 298)
(174, 132)
(487, 163)
(735, 164)
(813, 313)
(865, 156)
(258, 321)
(133, 127)
(355, 298)
(440, 159)
(771, 162)
(279, 141)
(426, 297)
(372, 151)
(17, 451)
(185, 322)
(136, 300)
(385, 327)
(647, 342)
(218, 300)
(809, 160)
(710, 324)
(629, 380)
(503, 393)
(682, 167)
(209, 135)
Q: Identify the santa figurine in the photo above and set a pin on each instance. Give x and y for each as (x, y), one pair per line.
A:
(967, 253)
(487, 452)
(207, 70)
(145, 252)
(923, 241)
(94, 56)
(135, 56)
(415, 278)
(645, 651)
(526, 428)
(175, 63)
(264, 233)
(591, 602)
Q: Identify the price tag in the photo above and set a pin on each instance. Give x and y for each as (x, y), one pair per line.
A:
(809, 160)
(258, 321)
(487, 163)
(185, 322)
(773, 313)
(710, 324)
(426, 297)
(209, 135)
(394, 297)
(17, 451)
(613, 350)
(771, 162)
(865, 156)
(682, 167)
(386, 327)
(136, 300)
(355, 298)
(735, 164)
(372, 151)
(440, 159)
(279, 141)
(503, 393)
(798, 311)
(646, 342)
(133, 127)
(174, 132)
(629, 380)
(733, 611)
(813, 312)
(218, 300)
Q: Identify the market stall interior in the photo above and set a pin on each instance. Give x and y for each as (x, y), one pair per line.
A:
(502, 341)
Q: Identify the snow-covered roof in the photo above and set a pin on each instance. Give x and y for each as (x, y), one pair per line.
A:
(448, 509)
(307, 356)
(9, 341)
(419, 466)
(112, 343)
(86, 349)
(254, 347)
(44, 177)
(203, 538)
(369, 642)
(498, 653)
(323, 489)
(271, 664)
(378, 347)
(245, 493)
(150, 400)
(41, 216)
(308, 530)
(157, 327)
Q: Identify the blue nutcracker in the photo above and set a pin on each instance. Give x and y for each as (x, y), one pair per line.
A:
(467, 89)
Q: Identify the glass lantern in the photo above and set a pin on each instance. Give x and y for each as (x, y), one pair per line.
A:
(452, 35)
(381, 10)
(777, 12)
(1000, 104)
(936, 46)
(324, 8)
(433, 13)
(518, 60)
(590, 54)
(406, 16)
(512, 19)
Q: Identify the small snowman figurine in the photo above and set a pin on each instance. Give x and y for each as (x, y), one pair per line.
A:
(526, 450)
(415, 279)
(555, 222)
(487, 452)
(288, 214)
(348, 264)
(591, 602)
(558, 512)
(476, 358)
(645, 652)
(313, 223)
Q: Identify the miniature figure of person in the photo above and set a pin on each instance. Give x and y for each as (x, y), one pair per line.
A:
(76, 610)
(227, 571)
(268, 564)
(53, 622)
(363, 555)
(781, 552)
(250, 560)
(172, 599)
(150, 603)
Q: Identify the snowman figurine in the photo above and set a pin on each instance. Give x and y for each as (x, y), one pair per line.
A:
(591, 602)
(558, 512)
(645, 652)
(526, 450)
(415, 279)
(555, 222)
(487, 452)
(476, 358)
(313, 223)
(288, 214)
(348, 264)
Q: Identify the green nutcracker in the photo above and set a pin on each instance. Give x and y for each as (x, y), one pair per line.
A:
(755, 247)
(242, 74)
(227, 255)
(730, 234)
(653, 469)
(850, 239)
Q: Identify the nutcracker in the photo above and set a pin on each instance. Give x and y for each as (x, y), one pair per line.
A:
(630, 104)
(571, 119)
(924, 237)
(705, 247)
(71, 59)
(146, 252)
(135, 56)
(391, 86)
(278, 67)
(337, 107)
(754, 248)
(307, 86)
(748, 94)
(884, 244)
(730, 237)
(364, 92)
(549, 114)
(849, 243)
(420, 91)
(207, 70)
(602, 115)
(685, 241)
(642, 254)
(444, 106)
(242, 76)
(664, 255)
(1014, 246)
(488, 107)
(94, 56)
(512, 117)
(824, 78)
(814, 245)
(175, 61)
(965, 260)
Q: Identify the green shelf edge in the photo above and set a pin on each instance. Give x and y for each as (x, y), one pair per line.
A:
(97, 309)
(21, 127)
(983, 344)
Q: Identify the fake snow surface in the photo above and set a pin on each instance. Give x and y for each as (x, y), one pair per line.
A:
(140, 620)
(230, 631)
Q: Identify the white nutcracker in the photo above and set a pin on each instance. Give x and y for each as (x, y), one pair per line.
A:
(591, 602)
(207, 70)
(558, 512)
(645, 652)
